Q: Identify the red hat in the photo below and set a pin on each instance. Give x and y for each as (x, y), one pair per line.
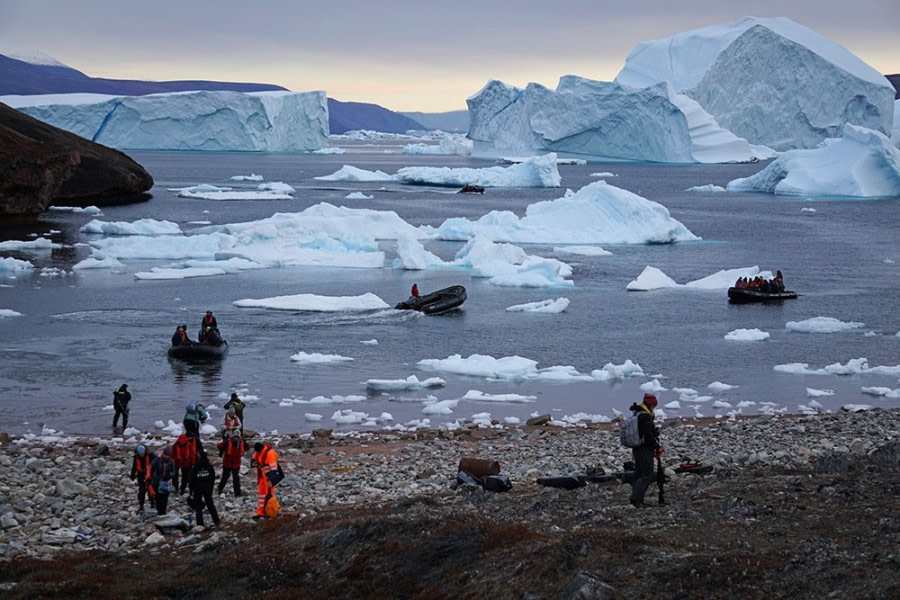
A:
(650, 400)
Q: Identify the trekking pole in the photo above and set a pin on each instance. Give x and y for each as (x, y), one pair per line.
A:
(660, 476)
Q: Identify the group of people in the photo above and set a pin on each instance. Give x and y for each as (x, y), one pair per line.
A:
(209, 332)
(185, 466)
(769, 286)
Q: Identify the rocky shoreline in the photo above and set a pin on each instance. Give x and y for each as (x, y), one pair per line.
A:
(76, 496)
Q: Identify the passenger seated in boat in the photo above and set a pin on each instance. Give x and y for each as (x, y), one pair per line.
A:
(208, 322)
(213, 337)
(779, 281)
(180, 336)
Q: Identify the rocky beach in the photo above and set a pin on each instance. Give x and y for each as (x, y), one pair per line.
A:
(799, 506)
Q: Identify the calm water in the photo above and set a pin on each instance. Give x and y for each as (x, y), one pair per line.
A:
(83, 335)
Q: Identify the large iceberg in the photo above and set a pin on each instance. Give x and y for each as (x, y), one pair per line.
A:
(599, 120)
(598, 213)
(215, 121)
(863, 163)
(770, 81)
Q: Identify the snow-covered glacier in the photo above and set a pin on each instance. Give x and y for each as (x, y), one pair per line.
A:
(862, 164)
(213, 121)
(770, 81)
(600, 120)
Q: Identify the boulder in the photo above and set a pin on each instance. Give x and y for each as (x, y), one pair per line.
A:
(40, 164)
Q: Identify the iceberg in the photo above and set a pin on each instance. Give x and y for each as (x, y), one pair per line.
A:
(862, 164)
(600, 120)
(206, 120)
(762, 79)
(598, 213)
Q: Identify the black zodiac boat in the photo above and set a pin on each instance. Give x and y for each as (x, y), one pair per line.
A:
(745, 295)
(436, 302)
(198, 351)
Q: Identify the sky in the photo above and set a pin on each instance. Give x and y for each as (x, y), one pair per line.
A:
(406, 55)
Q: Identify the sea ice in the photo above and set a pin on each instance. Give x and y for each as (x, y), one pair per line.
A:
(747, 335)
(313, 302)
(553, 306)
(822, 325)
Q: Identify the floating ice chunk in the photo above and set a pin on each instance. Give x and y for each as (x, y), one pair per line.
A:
(277, 187)
(673, 405)
(721, 404)
(653, 386)
(98, 261)
(357, 196)
(582, 250)
(351, 173)
(877, 391)
(511, 421)
(822, 325)
(313, 302)
(330, 150)
(483, 397)
(412, 256)
(538, 171)
(40, 243)
(372, 342)
(814, 393)
(6, 312)
(611, 371)
(348, 417)
(853, 367)
(251, 177)
(747, 335)
(544, 306)
(857, 407)
(651, 278)
(409, 384)
(603, 174)
(159, 273)
(314, 358)
(746, 404)
(808, 210)
(718, 386)
(139, 227)
(706, 188)
(443, 407)
(313, 417)
(478, 365)
(86, 210)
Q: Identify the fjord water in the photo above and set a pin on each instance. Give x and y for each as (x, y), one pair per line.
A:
(83, 334)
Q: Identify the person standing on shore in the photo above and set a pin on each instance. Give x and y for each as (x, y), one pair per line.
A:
(121, 398)
(184, 456)
(162, 470)
(238, 405)
(646, 451)
(140, 472)
(203, 479)
(266, 459)
(194, 414)
(232, 450)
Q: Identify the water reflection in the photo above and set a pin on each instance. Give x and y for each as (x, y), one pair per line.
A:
(209, 373)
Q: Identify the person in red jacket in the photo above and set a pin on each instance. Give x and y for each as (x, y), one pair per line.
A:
(232, 450)
(415, 291)
(184, 455)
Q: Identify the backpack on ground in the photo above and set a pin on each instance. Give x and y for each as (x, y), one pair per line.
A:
(271, 507)
(628, 433)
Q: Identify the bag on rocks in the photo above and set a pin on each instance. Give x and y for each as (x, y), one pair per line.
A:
(496, 483)
(272, 508)
(628, 433)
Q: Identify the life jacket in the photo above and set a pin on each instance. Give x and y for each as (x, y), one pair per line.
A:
(142, 466)
(233, 452)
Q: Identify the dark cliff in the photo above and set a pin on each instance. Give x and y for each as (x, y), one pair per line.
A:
(41, 164)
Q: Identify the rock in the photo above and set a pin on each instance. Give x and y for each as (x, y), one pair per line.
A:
(154, 539)
(69, 488)
(170, 523)
(34, 464)
(587, 586)
(539, 420)
(40, 164)
(887, 455)
(7, 521)
(321, 433)
(102, 450)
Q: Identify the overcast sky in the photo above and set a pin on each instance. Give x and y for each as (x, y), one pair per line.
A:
(408, 55)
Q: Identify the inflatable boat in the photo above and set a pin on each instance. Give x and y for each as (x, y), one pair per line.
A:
(198, 351)
(436, 302)
(744, 295)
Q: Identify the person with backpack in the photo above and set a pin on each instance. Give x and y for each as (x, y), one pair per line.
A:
(162, 470)
(238, 405)
(232, 424)
(645, 450)
(140, 472)
(121, 398)
(184, 455)
(232, 451)
(266, 461)
(203, 479)
(194, 414)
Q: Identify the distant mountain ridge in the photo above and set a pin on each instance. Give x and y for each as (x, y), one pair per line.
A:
(19, 77)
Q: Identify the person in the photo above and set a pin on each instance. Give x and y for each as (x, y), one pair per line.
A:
(208, 322)
(414, 293)
(121, 398)
(213, 337)
(646, 452)
(779, 281)
(180, 336)
(203, 479)
(194, 414)
(232, 423)
(265, 459)
(184, 456)
(238, 405)
(162, 470)
(140, 472)
(232, 450)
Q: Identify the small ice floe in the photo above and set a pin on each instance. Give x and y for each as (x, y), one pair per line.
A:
(409, 384)
(162, 273)
(314, 358)
(653, 386)
(87, 210)
(544, 306)
(808, 211)
(357, 196)
(856, 366)
(148, 227)
(441, 407)
(706, 188)
(747, 335)
(822, 325)
(251, 177)
(372, 342)
(8, 312)
(870, 334)
(721, 404)
(885, 392)
(277, 187)
(718, 387)
(856, 407)
(611, 371)
(98, 261)
(582, 250)
(330, 150)
(674, 405)
(483, 397)
(815, 404)
(349, 417)
(511, 421)
(313, 302)
(37, 244)
(603, 174)
(814, 393)
(312, 417)
(746, 404)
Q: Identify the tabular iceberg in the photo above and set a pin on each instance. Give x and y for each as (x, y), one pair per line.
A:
(863, 163)
(601, 120)
(214, 121)
(770, 81)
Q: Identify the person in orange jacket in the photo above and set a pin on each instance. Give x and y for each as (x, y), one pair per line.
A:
(140, 472)
(184, 455)
(266, 459)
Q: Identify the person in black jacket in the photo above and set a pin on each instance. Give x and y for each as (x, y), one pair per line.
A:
(646, 452)
(121, 398)
(203, 479)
